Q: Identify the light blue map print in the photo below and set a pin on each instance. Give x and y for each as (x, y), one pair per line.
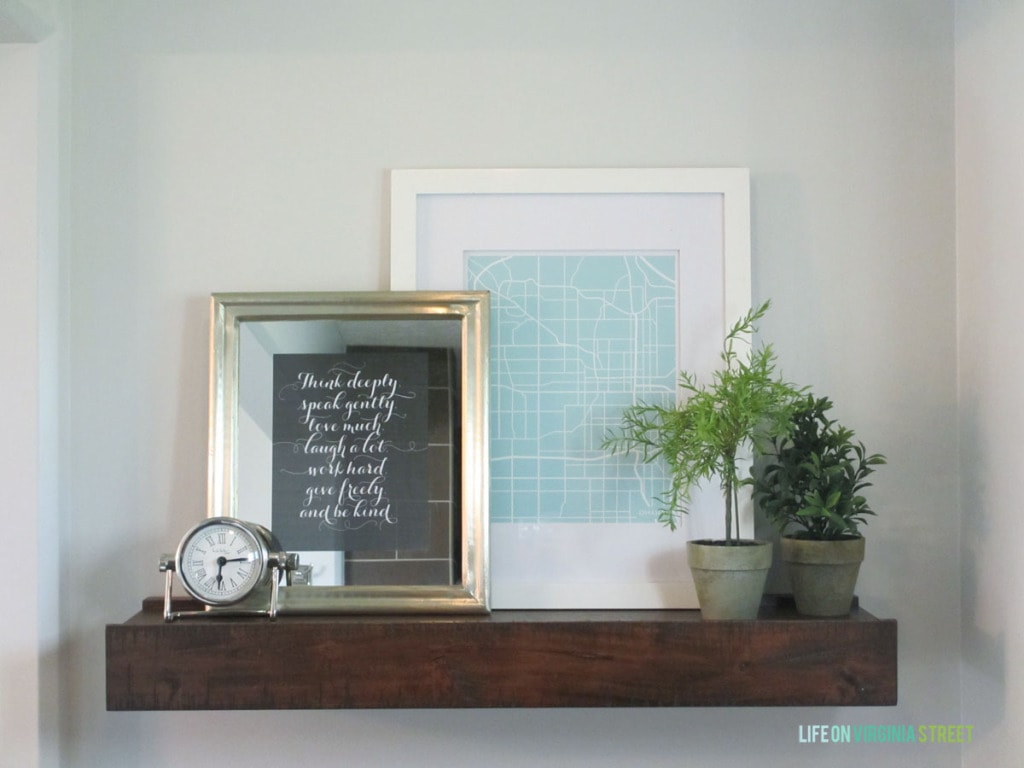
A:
(575, 337)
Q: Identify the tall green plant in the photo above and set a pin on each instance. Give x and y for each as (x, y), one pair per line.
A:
(716, 423)
(813, 478)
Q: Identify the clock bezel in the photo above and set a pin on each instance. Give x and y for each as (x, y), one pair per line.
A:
(256, 533)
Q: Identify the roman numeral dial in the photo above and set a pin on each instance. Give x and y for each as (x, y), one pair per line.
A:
(223, 560)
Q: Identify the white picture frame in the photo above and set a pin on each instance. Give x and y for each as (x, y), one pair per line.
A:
(700, 214)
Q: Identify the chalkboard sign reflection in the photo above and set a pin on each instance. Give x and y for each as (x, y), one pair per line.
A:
(350, 451)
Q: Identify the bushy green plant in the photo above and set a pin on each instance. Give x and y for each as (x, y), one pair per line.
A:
(812, 478)
(708, 433)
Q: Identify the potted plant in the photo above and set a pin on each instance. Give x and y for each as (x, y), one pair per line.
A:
(708, 434)
(809, 486)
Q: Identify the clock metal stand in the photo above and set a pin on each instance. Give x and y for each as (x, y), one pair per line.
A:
(279, 564)
(227, 564)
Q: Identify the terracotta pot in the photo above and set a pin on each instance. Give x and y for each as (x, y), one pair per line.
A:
(729, 578)
(823, 573)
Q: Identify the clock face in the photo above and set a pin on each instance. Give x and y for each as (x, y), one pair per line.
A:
(221, 561)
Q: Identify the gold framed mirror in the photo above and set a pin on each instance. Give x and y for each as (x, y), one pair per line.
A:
(354, 426)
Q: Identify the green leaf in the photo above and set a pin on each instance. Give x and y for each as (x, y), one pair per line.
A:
(745, 403)
(812, 476)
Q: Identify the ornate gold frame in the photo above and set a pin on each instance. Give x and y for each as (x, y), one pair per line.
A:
(414, 310)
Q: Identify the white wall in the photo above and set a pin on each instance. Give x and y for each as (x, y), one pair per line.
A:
(990, 199)
(19, 382)
(245, 145)
(29, 379)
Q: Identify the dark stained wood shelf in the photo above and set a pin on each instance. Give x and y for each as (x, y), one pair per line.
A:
(505, 659)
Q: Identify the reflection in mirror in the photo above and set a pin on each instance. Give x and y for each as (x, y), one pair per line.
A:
(332, 416)
(353, 429)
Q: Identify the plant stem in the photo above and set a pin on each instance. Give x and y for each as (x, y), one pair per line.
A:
(731, 493)
(728, 511)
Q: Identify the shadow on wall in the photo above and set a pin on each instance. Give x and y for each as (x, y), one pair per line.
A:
(983, 656)
(188, 503)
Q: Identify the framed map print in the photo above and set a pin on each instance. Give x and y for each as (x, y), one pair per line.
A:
(604, 284)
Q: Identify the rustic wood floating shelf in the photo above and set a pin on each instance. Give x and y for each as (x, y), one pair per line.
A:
(505, 659)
